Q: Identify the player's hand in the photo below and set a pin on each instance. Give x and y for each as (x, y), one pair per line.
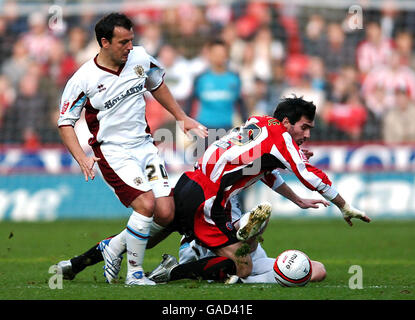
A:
(350, 212)
(191, 125)
(312, 203)
(87, 167)
(307, 153)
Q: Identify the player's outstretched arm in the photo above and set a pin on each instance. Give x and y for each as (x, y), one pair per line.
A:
(315, 179)
(71, 141)
(288, 193)
(349, 211)
(163, 95)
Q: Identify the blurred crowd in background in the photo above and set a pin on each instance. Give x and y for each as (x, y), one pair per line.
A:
(362, 80)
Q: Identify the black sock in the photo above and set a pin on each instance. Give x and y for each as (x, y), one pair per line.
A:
(210, 268)
(88, 258)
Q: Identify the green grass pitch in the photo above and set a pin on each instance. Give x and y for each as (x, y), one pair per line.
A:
(383, 249)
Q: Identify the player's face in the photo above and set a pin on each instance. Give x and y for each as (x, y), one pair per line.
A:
(301, 130)
(121, 44)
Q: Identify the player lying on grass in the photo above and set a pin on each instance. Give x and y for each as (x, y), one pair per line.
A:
(206, 265)
(245, 156)
(103, 251)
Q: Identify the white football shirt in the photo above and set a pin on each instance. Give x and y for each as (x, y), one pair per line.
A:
(114, 101)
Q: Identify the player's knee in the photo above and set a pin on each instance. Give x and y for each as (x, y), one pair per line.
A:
(319, 271)
(164, 212)
(144, 204)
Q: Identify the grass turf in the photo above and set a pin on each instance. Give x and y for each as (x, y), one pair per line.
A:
(383, 249)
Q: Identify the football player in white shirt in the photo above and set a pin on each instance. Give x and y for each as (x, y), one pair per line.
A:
(111, 89)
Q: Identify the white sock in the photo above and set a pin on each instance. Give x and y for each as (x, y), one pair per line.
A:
(118, 243)
(267, 277)
(262, 271)
(157, 234)
(138, 231)
(155, 228)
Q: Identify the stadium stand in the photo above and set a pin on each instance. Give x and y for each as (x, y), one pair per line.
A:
(356, 62)
(307, 47)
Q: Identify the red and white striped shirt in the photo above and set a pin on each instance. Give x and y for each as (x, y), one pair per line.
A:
(252, 153)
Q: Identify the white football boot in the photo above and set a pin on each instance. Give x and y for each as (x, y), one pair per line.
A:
(112, 265)
(138, 278)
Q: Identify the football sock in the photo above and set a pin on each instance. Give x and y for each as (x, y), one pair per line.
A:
(118, 243)
(267, 277)
(157, 234)
(88, 258)
(262, 271)
(262, 265)
(93, 255)
(138, 232)
(210, 268)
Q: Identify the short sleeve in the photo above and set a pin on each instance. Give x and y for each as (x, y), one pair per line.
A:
(155, 74)
(71, 104)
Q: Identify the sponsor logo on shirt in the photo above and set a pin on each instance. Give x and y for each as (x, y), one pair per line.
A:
(110, 103)
(65, 107)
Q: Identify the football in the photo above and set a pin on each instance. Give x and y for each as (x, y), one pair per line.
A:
(292, 268)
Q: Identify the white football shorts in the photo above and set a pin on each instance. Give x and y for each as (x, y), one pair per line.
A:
(131, 171)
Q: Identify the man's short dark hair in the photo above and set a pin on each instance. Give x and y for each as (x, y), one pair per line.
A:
(294, 108)
(105, 27)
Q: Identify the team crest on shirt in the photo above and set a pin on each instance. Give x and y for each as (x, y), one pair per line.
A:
(139, 71)
(138, 181)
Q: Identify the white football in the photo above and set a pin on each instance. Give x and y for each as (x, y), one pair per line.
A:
(292, 268)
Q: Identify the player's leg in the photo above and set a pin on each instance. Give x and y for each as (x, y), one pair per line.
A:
(189, 198)
(136, 237)
(267, 274)
(160, 204)
(208, 268)
(70, 268)
(243, 262)
(158, 180)
(115, 246)
(252, 224)
(262, 271)
(225, 262)
(127, 176)
(197, 262)
(163, 216)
